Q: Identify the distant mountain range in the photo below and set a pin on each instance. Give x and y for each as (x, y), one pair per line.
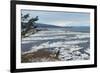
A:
(41, 25)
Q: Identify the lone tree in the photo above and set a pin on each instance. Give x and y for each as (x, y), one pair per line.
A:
(28, 24)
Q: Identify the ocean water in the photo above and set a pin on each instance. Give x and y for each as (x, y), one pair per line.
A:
(73, 42)
(74, 29)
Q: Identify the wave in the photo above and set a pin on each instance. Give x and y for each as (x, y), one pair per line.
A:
(68, 46)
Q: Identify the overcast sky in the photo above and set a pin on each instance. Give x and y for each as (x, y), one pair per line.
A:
(60, 18)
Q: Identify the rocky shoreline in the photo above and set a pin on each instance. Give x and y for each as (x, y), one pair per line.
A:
(39, 56)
